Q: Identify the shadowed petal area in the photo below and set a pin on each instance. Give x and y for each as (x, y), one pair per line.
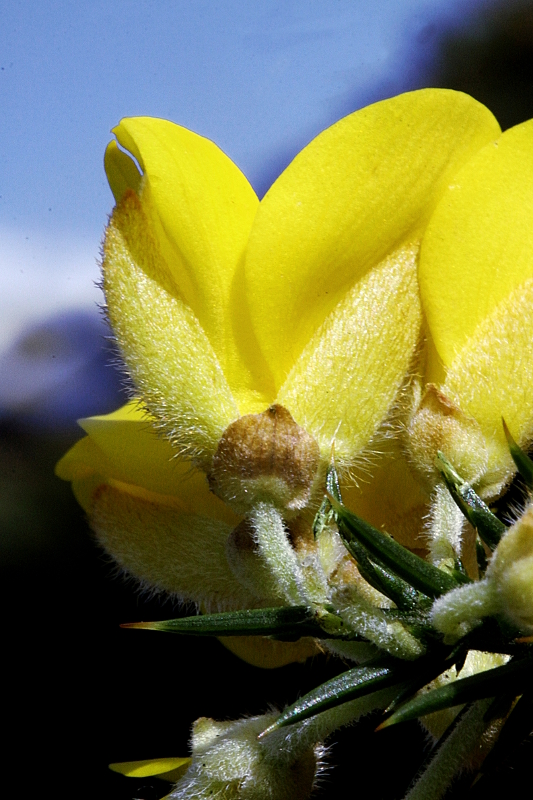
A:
(390, 498)
(169, 549)
(261, 651)
(356, 193)
(479, 243)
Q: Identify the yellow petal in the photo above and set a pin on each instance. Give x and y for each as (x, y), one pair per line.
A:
(478, 245)
(155, 766)
(167, 353)
(390, 498)
(121, 171)
(165, 547)
(269, 653)
(202, 208)
(348, 376)
(123, 447)
(493, 376)
(352, 196)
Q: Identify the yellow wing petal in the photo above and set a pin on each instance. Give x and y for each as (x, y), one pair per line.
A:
(479, 243)
(493, 377)
(165, 547)
(121, 171)
(155, 766)
(268, 653)
(168, 354)
(202, 208)
(352, 196)
(123, 447)
(347, 378)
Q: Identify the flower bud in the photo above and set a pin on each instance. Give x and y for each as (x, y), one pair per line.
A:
(229, 761)
(439, 424)
(265, 457)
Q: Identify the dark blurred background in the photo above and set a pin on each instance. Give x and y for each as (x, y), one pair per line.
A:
(80, 692)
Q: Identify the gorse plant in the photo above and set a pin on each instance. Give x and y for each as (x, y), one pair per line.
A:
(315, 432)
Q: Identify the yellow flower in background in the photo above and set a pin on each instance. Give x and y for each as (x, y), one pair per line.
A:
(257, 335)
(476, 284)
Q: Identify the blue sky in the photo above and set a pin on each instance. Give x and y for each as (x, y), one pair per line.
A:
(259, 78)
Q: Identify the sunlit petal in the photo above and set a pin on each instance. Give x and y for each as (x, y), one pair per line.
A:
(167, 353)
(347, 377)
(352, 196)
(121, 171)
(493, 376)
(202, 208)
(124, 447)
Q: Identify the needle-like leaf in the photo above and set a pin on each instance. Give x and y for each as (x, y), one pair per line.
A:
(282, 622)
(523, 462)
(475, 510)
(372, 570)
(517, 673)
(431, 669)
(349, 685)
(428, 579)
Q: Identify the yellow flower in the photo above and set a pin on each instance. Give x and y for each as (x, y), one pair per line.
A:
(476, 284)
(257, 336)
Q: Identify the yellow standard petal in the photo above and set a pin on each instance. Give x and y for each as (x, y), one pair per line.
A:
(201, 207)
(167, 352)
(355, 194)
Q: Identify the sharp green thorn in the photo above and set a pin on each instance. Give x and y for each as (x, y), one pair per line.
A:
(354, 683)
(421, 575)
(282, 622)
(332, 483)
(430, 669)
(488, 526)
(523, 462)
(374, 572)
(517, 673)
(447, 470)
(146, 626)
(321, 517)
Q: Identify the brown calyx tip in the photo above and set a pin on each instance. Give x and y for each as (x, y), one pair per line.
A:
(265, 456)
